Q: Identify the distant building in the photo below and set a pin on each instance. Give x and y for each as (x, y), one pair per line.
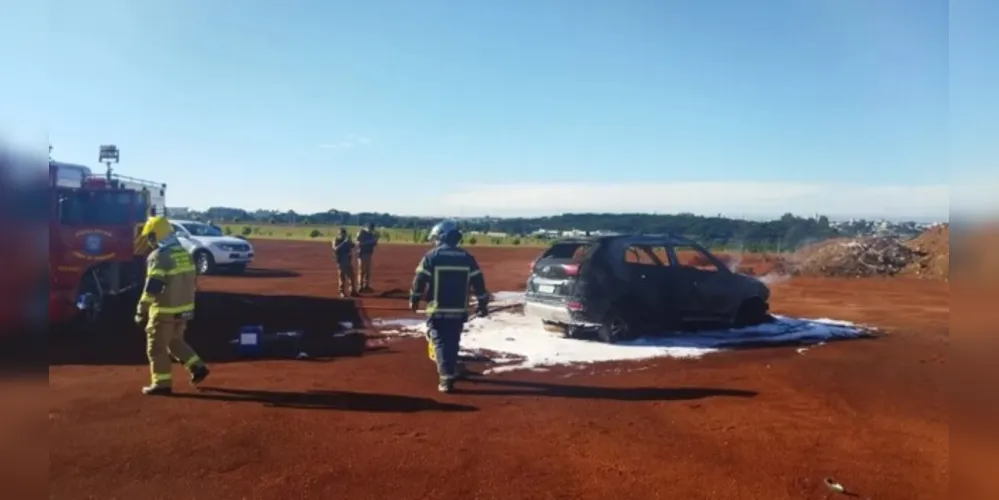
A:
(178, 212)
(545, 233)
(493, 234)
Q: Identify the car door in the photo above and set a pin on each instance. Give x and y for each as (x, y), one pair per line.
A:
(656, 281)
(635, 284)
(683, 284)
(706, 281)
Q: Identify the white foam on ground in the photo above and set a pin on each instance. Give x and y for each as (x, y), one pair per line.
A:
(504, 298)
(396, 323)
(499, 299)
(519, 342)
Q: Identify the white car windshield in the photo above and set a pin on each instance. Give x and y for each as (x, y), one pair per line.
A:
(198, 229)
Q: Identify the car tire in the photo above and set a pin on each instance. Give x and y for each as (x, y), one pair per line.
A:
(204, 263)
(751, 312)
(617, 326)
(574, 332)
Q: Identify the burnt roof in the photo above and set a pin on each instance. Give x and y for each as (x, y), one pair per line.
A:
(636, 238)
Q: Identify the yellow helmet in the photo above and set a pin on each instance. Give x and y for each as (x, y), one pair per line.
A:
(157, 226)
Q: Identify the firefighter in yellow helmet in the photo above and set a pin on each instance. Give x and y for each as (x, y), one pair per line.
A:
(167, 304)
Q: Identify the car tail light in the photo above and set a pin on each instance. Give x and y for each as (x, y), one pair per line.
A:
(574, 306)
(571, 269)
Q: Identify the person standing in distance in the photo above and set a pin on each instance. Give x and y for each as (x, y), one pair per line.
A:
(343, 251)
(166, 305)
(367, 240)
(443, 277)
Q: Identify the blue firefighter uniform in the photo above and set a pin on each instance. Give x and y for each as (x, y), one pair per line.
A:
(443, 279)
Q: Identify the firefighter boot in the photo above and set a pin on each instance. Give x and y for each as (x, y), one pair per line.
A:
(157, 390)
(199, 373)
(445, 385)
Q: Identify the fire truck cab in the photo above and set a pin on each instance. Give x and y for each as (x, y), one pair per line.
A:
(95, 255)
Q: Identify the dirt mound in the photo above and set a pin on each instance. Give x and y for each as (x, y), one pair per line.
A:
(764, 265)
(862, 257)
(934, 249)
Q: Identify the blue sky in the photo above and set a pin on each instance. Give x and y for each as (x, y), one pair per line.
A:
(844, 107)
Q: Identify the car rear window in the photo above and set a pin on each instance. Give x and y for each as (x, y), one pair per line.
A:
(568, 251)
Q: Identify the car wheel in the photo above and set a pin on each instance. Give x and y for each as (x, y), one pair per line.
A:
(204, 263)
(617, 326)
(751, 312)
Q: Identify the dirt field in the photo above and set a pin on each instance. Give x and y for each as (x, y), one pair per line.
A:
(368, 423)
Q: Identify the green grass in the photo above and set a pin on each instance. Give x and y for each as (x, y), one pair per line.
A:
(387, 235)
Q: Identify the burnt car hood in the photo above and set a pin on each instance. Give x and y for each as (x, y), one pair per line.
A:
(753, 285)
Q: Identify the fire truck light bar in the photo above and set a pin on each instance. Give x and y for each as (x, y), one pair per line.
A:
(108, 153)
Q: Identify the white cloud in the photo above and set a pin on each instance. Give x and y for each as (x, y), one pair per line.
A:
(750, 199)
(351, 140)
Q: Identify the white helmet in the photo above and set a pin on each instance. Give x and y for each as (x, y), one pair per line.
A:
(444, 230)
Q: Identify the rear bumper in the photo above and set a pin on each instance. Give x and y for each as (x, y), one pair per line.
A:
(556, 313)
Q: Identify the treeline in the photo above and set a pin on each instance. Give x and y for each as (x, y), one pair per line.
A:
(785, 233)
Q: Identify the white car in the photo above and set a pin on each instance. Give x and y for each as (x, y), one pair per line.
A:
(211, 249)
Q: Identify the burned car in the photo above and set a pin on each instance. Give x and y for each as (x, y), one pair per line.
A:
(622, 286)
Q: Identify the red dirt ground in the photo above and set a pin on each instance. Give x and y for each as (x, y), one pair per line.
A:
(368, 422)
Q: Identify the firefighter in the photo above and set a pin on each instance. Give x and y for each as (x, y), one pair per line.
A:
(444, 274)
(366, 242)
(167, 304)
(343, 251)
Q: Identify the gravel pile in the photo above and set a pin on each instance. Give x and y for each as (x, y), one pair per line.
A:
(933, 248)
(863, 257)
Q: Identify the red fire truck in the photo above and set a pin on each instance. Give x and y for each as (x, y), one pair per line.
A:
(95, 255)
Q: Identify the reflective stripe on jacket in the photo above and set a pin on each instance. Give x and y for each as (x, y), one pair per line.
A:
(446, 273)
(172, 266)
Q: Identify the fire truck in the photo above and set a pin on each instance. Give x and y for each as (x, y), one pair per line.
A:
(96, 257)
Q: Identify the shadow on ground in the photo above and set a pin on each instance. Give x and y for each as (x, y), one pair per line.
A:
(218, 319)
(393, 293)
(329, 400)
(254, 272)
(522, 388)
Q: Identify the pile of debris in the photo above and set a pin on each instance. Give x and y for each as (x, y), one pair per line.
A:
(933, 249)
(862, 257)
